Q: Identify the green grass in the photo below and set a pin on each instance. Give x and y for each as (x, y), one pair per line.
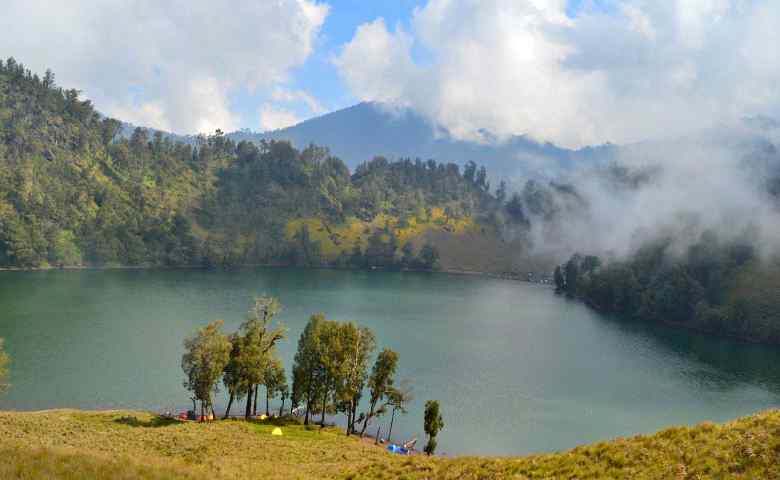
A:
(70, 444)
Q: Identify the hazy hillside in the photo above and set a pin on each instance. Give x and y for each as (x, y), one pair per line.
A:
(358, 133)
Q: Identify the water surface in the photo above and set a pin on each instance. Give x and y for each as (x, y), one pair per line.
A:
(516, 368)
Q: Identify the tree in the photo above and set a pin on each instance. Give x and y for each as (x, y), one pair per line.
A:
(433, 424)
(429, 256)
(4, 361)
(397, 399)
(275, 377)
(481, 180)
(284, 393)
(560, 282)
(231, 376)
(469, 171)
(259, 336)
(306, 364)
(407, 255)
(501, 193)
(358, 344)
(206, 354)
(572, 274)
(379, 383)
(330, 364)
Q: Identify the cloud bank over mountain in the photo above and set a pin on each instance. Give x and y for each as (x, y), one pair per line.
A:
(623, 72)
(170, 65)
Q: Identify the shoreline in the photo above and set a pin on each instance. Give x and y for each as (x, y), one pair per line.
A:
(677, 325)
(517, 277)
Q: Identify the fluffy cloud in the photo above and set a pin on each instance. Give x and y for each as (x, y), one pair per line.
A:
(274, 118)
(171, 65)
(640, 70)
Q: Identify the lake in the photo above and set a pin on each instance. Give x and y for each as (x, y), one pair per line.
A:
(516, 368)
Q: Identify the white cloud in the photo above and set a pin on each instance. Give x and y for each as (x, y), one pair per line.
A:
(281, 94)
(186, 58)
(638, 21)
(377, 63)
(645, 70)
(274, 118)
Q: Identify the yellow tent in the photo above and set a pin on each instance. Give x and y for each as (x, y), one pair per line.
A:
(263, 417)
(277, 431)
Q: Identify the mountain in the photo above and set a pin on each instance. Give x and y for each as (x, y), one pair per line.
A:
(363, 131)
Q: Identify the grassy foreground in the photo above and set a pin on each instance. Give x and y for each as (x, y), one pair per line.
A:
(123, 445)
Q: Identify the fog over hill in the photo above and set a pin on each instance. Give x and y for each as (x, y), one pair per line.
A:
(363, 131)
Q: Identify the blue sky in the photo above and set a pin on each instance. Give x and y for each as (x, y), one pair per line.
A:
(318, 76)
(572, 72)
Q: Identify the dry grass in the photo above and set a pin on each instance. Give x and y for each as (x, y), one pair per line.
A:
(72, 444)
(337, 239)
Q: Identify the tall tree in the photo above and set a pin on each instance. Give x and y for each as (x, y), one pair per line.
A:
(205, 355)
(306, 363)
(379, 383)
(259, 337)
(231, 376)
(398, 398)
(284, 393)
(433, 424)
(572, 273)
(274, 378)
(358, 343)
(4, 361)
(560, 282)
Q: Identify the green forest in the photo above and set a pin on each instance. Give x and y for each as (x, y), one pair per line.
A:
(75, 191)
(715, 286)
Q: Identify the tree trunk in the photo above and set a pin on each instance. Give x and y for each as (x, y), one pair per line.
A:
(390, 432)
(324, 404)
(378, 429)
(281, 408)
(267, 413)
(368, 417)
(308, 402)
(349, 418)
(202, 411)
(230, 404)
(254, 404)
(248, 411)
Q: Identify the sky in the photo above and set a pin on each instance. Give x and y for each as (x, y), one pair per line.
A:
(572, 72)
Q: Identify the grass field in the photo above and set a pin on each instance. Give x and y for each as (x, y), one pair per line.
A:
(71, 444)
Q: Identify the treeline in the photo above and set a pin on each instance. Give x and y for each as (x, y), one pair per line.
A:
(381, 252)
(271, 183)
(330, 373)
(715, 285)
(74, 191)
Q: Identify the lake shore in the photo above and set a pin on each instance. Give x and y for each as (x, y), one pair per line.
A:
(514, 276)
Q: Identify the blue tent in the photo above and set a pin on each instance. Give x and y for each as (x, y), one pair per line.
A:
(396, 449)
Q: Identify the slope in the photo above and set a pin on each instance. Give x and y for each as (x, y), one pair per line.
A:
(64, 444)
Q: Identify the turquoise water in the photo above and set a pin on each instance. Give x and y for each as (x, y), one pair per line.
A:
(516, 368)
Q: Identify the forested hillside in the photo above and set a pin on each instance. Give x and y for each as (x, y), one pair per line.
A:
(716, 286)
(74, 192)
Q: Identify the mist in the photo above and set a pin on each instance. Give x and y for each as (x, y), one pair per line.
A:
(672, 190)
